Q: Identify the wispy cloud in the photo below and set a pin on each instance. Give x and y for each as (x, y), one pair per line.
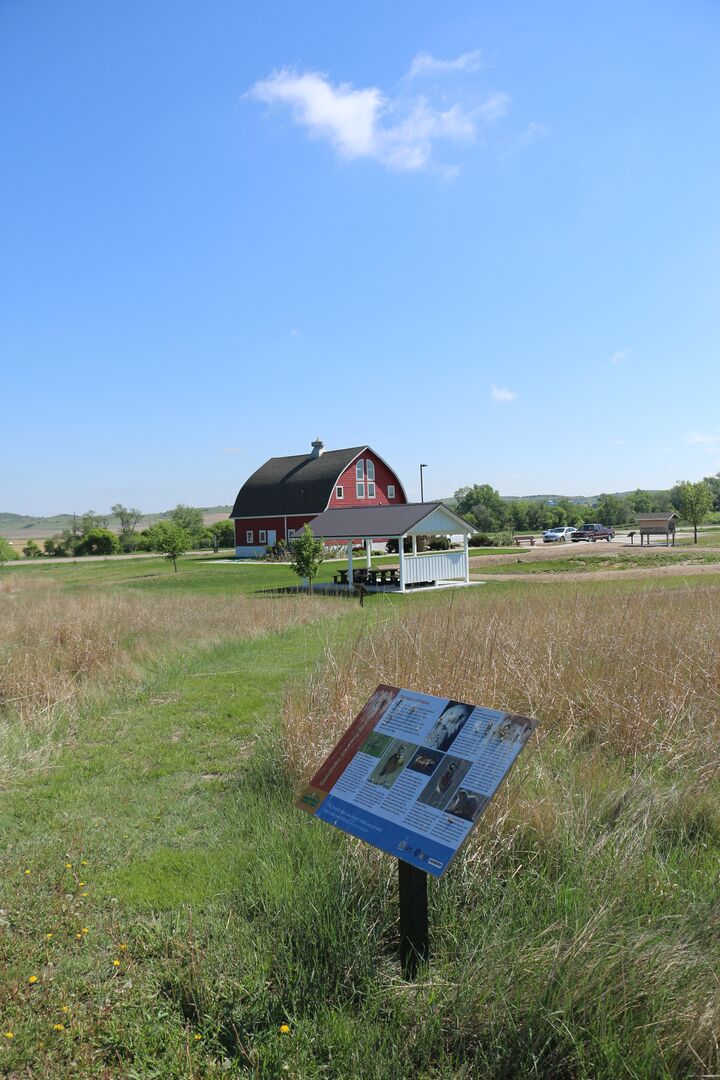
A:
(400, 132)
(425, 64)
(232, 450)
(697, 438)
(501, 393)
(618, 357)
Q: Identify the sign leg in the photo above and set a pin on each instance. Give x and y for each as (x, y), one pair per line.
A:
(414, 928)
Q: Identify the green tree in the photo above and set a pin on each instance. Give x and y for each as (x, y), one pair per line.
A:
(713, 482)
(612, 510)
(32, 550)
(7, 551)
(128, 516)
(695, 502)
(190, 519)
(62, 544)
(224, 533)
(90, 520)
(170, 540)
(307, 554)
(97, 542)
(482, 506)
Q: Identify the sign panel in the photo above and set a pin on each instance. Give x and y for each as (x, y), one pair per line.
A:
(413, 773)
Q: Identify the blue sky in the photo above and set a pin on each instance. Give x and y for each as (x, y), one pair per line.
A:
(485, 237)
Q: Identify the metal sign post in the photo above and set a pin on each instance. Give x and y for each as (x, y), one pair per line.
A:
(414, 925)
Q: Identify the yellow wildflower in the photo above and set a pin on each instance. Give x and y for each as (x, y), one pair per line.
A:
(68, 866)
(116, 963)
(123, 947)
(9, 1034)
(285, 1028)
(78, 936)
(85, 930)
(58, 1027)
(32, 979)
(27, 871)
(198, 1037)
(83, 862)
(81, 883)
(83, 894)
(66, 1008)
(48, 936)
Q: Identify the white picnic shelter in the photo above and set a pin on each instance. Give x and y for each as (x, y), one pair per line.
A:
(366, 524)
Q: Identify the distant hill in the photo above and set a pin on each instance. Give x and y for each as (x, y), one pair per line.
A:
(25, 527)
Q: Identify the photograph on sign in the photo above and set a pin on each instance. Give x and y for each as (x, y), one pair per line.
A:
(413, 773)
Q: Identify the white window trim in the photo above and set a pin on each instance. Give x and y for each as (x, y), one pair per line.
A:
(391, 491)
(249, 535)
(339, 492)
(371, 489)
(359, 470)
(262, 536)
(359, 489)
(370, 469)
(291, 534)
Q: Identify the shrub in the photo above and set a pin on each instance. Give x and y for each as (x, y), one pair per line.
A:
(7, 551)
(32, 550)
(481, 540)
(97, 542)
(439, 543)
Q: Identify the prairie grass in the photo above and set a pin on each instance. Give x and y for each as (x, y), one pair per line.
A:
(578, 933)
(58, 649)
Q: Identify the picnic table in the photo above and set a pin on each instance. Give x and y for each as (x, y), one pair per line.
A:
(370, 576)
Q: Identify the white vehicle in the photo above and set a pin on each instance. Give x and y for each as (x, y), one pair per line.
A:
(560, 535)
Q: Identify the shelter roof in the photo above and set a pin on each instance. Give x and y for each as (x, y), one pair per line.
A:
(300, 484)
(664, 516)
(366, 522)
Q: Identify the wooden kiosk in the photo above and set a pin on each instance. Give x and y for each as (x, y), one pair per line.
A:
(657, 525)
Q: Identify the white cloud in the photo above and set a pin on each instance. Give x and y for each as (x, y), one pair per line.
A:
(501, 393)
(618, 357)
(425, 64)
(698, 439)
(399, 132)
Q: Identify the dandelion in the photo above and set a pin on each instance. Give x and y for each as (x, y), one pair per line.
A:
(83, 862)
(27, 872)
(9, 1034)
(85, 930)
(48, 937)
(197, 1037)
(116, 963)
(32, 979)
(68, 866)
(78, 936)
(66, 1008)
(83, 894)
(81, 883)
(285, 1029)
(58, 1027)
(123, 947)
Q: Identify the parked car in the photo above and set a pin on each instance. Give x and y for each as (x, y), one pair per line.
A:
(593, 532)
(559, 535)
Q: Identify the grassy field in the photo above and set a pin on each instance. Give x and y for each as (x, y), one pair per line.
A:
(165, 912)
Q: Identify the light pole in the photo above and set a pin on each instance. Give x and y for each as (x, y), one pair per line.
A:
(422, 494)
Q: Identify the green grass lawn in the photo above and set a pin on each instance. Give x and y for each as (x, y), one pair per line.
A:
(166, 912)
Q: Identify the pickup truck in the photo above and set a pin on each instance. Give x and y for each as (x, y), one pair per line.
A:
(592, 533)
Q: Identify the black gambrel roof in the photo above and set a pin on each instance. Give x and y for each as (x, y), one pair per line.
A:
(300, 484)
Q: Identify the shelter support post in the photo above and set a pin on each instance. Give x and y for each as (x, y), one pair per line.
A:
(401, 557)
(414, 544)
(368, 553)
(350, 564)
(467, 558)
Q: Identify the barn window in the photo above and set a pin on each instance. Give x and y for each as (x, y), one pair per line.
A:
(262, 536)
(360, 490)
(391, 491)
(371, 490)
(359, 470)
(291, 533)
(370, 469)
(249, 536)
(339, 493)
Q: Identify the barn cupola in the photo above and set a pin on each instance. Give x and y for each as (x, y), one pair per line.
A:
(318, 448)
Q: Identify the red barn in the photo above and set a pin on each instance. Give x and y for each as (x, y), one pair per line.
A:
(286, 492)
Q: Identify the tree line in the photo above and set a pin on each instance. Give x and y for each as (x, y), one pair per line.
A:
(89, 535)
(484, 508)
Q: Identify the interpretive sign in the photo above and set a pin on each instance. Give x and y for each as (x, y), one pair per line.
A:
(413, 773)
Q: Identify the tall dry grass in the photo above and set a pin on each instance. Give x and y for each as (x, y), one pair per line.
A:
(578, 933)
(58, 649)
(634, 673)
